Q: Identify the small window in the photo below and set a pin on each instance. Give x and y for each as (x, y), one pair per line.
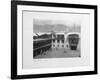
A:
(66, 45)
(53, 40)
(58, 45)
(62, 41)
(58, 41)
(53, 45)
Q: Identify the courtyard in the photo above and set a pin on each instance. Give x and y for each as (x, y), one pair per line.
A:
(59, 53)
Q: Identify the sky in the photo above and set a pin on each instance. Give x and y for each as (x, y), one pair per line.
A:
(58, 22)
(53, 25)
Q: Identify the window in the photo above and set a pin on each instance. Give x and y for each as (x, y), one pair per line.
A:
(62, 45)
(53, 40)
(58, 41)
(62, 41)
(66, 45)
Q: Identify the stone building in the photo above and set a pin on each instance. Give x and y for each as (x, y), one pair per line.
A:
(61, 40)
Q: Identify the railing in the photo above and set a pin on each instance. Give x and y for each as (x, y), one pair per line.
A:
(41, 45)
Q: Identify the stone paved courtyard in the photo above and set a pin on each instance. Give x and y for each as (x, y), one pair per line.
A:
(59, 53)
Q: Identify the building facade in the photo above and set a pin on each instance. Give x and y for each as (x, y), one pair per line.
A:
(61, 40)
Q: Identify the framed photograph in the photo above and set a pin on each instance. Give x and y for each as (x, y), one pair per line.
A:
(53, 39)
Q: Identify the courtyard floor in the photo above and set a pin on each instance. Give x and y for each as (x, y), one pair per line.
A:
(59, 53)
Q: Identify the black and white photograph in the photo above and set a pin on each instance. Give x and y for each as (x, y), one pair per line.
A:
(57, 38)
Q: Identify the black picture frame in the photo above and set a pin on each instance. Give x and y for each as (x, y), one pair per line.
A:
(14, 39)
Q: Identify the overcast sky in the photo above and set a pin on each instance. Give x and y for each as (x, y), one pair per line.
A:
(53, 25)
(45, 21)
(67, 18)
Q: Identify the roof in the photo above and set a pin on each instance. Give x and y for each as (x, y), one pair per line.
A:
(60, 37)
